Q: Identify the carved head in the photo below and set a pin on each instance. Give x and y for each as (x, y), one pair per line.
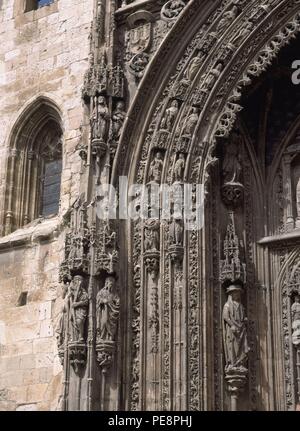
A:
(77, 281)
(101, 100)
(110, 283)
(120, 105)
(174, 104)
(297, 298)
(158, 155)
(235, 292)
(181, 156)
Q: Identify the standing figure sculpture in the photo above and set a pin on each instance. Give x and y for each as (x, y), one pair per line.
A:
(152, 237)
(295, 311)
(176, 232)
(78, 308)
(179, 168)
(212, 77)
(156, 168)
(62, 323)
(235, 331)
(191, 122)
(232, 166)
(227, 18)
(118, 118)
(100, 119)
(168, 121)
(107, 310)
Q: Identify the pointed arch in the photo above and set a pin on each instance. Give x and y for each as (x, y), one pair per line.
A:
(34, 164)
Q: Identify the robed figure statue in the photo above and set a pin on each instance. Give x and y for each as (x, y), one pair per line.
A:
(107, 310)
(235, 330)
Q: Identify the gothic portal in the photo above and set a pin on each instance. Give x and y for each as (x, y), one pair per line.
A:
(102, 103)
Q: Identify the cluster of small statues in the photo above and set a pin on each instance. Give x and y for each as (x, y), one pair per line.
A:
(74, 312)
(100, 120)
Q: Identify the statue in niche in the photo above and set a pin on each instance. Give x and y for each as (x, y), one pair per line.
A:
(191, 122)
(168, 121)
(176, 232)
(193, 67)
(107, 310)
(79, 303)
(100, 119)
(151, 242)
(232, 164)
(179, 168)
(227, 18)
(243, 33)
(212, 77)
(235, 330)
(156, 168)
(295, 311)
(118, 118)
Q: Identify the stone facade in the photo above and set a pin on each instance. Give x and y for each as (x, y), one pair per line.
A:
(44, 53)
(98, 313)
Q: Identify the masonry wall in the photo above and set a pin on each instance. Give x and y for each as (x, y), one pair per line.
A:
(42, 53)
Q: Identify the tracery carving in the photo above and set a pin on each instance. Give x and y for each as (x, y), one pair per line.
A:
(232, 267)
(172, 9)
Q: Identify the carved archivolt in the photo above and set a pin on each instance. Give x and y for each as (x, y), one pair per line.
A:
(193, 101)
(170, 337)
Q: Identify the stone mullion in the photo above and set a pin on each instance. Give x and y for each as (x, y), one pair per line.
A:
(9, 213)
(28, 190)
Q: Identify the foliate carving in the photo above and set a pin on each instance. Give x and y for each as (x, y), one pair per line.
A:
(103, 79)
(77, 243)
(106, 249)
(107, 316)
(172, 9)
(259, 65)
(232, 268)
(295, 312)
(138, 64)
